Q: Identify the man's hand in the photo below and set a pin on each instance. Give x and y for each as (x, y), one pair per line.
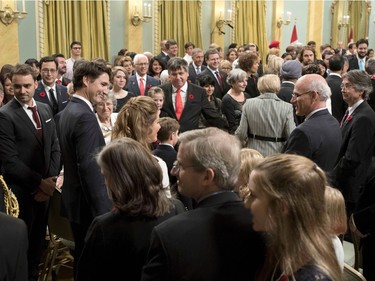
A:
(40, 196)
(48, 185)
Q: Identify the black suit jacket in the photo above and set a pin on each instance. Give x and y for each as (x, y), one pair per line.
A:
(337, 102)
(116, 243)
(133, 84)
(196, 104)
(84, 193)
(318, 138)
(13, 245)
(62, 96)
(358, 134)
(353, 62)
(219, 91)
(25, 159)
(193, 73)
(215, 241)
(169, 155)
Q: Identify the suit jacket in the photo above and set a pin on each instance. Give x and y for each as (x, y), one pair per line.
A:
(353, 62)
(337, 102)
(318, 138)
(219, 91)
(168, 154)
(62, 96)
(117, 242)
(133, 84)
(193, 73)
(196, 104)
(358, 133)
(13, 254)
(84, 193)
(251, 87)
(215, 241)
(266, 116)
(25, 159)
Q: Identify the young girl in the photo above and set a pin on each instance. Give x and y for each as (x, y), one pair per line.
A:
(157, 95)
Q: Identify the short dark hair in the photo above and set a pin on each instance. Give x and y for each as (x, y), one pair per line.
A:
(350, 46)
(311, 43)
(326, 53)
(24, 70)
(55, 56)
(336, 63)
(75, 43)
(209, 52)
(48, 59)
(90, 69)
(32, 62)
(362, 41)
(246, 61)
(189, 44)
(169, 43)
(167, 127)
(204, 80)
(177, 63)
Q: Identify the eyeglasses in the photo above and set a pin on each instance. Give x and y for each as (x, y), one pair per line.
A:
(297, 95)
(46, 70)
(177, 166)
(142, 64)
(346, 85)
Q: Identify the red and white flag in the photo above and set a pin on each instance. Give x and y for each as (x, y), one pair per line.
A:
(351, 36)
(294, 38)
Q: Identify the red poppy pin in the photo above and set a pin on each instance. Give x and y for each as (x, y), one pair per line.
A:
(148, 86)
(349, 118)
(42, 94)
(191, 97)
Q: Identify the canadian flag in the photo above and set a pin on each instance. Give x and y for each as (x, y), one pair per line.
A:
(351, 36)
(294, 38)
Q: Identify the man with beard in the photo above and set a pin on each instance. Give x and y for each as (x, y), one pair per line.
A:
(61, 70)
(358, 61)
(307, 56)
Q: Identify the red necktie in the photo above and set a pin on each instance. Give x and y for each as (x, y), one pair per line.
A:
(39, 129)
(141, 87)
(218, 78)
(179, 105)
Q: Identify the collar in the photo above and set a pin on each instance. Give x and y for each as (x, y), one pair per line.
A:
(183, 88)
(212, 70)
(268, 96)
(195, 66)
(354, 107)
(220, 196)
(138, 76)
(85, 100)
(288, 82)
(334, 74)
(166, 144)
(24, 105)
(313, 112)
(47, 88)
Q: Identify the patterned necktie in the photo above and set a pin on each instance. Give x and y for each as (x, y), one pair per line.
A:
(141, 87)
(39, 129)
(218, 77)
(344, 118)
(55, 107)
(198, 70)
(179, 105)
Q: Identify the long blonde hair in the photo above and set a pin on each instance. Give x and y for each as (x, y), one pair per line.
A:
(297, 222)
(336, 212)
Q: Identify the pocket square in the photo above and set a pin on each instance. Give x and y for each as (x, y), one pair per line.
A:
(65, 101)
(49, 120)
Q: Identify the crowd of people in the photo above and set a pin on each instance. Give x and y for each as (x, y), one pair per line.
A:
(208, 166)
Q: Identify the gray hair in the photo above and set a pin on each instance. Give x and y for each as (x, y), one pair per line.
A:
(177, 63)
(316, 83)
(361, 82)
(370, 66)
(235, 75)
(138, 56)
(215, 149)
(111, 96)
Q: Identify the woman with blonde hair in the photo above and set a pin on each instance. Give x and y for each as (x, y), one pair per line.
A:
(337, 219)
(266, 121)
(117, 242)
(288, 204)
(139, 119)
(119, 79)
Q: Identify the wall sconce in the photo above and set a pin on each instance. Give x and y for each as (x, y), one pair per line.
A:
(344, 22)
(7, 15)
(221, 22)
(137, 19)
(281, 21)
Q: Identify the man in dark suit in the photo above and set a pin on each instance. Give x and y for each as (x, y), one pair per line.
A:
(171, 48)
(215, 241)
(30, 155)
(185, 101)
(196, 67)
(13, 244)
(61, 70)
(212, 59)
(84, 193)
(140, 82)
(319, 136)
(163, 50)
(358, 61)
(370, 69)
(358, 133)
(48, 91)
(334, 80)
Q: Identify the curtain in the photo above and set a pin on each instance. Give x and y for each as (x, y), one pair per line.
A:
(251, 24)
(181, 20)
(359, 19)
(84, 21)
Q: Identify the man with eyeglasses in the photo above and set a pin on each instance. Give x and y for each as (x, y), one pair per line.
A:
(48, 91)
(215, 241)
(358, 134)
(140, 82)
(318, 137)
(75, 52)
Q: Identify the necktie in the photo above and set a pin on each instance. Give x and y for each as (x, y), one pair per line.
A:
(141, 87)
(361, 64)
(218, 77)
(344, 118)
(55, 107)
(39, 129)
(198, 70)
(179, 105)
